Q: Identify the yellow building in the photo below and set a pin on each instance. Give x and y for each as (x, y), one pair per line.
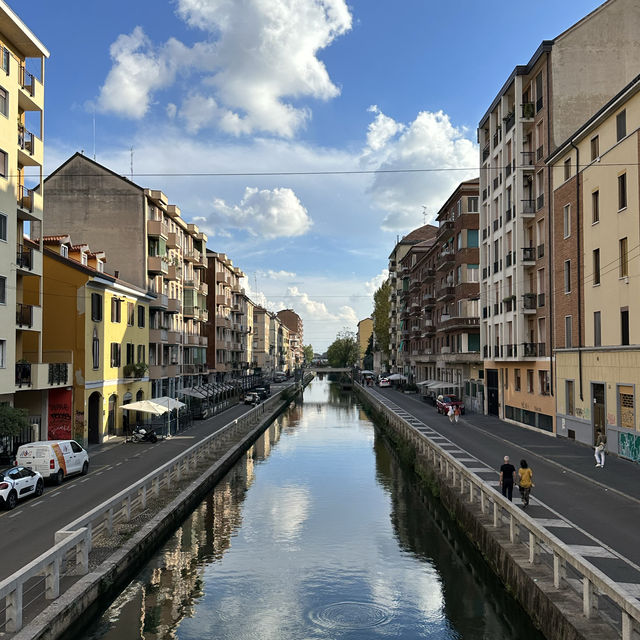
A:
(365, 331)
(596, 213)
(104, 322)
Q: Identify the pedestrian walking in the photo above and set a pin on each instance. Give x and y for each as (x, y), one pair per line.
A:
(601, 443)
(525, 482)
(450, 413)
(507, 478)
(456, 413)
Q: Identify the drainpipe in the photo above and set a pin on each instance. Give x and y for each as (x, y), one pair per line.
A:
(549, 234)
(579, 271)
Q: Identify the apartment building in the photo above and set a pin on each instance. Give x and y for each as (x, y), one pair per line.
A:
(264, 341)
(23, 365)
(538, 107)
(596, 208)
(148, 245)
(364, 333)
(398, 358)
(228, 329)
(294, 324)
(103, 322)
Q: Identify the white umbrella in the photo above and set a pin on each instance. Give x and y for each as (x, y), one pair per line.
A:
(397, 376)
(145, 406)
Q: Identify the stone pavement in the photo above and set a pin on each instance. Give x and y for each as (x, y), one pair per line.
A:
(594, 511)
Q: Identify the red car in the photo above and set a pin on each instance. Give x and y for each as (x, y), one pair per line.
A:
(444, 402)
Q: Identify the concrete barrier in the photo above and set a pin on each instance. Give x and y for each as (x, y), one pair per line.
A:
(566, 596)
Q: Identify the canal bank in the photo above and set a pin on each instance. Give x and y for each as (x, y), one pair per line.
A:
(533, 565)
(123, 534)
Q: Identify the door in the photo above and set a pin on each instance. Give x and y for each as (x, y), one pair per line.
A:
(597, 416)
(492, 392)
(95, 405)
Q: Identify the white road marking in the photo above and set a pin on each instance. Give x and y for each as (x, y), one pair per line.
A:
(590, 551)
(553, 522)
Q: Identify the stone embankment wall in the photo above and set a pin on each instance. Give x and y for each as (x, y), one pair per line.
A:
(557, 612)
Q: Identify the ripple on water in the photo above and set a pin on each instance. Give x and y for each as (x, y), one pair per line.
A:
(350, 615)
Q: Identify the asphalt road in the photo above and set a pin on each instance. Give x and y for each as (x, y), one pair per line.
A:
(600, 504)
(28, 530)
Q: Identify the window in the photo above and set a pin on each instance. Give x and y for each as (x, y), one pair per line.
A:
(624, 259)
(569, 398)
(4, 165)
(539, 92)
(6, 57)
(567, 276)
(83, 259)
(626, 406)
(100, 266)
(3, 354)
(472, 204)
(530, 380)
(130, 353)
(4, 102)
(141, 353)
(64, 251)
(543, 381)
(473, 273)
(3, 227)
(472, 238)
(622, 191)
(596, 266)
(567, 168)
(459, 274)
(3, 290)
(459, 241)
(621, 125)
(96, 307)
(516, 379)
(595, 207)
(595, 147)
(624, 325)
(567, 220)
(597, 329)
(95, 350)
(141, 316)
(568, 338)
(115, 310)
(131, 314)
(115, 354)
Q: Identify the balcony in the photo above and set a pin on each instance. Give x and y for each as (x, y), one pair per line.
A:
(29, 152)
(41, 375)
(192, 339)
(158, 335)
(202, 262)
(485, 193)
(157, 265)
(157, 229)
(459, 322)
(529, 303)
(203, 288)
(528, 160)
(485, 152)
(445, 229)
(191, 255)
(24, 258)
(203, 316)
(428, 301)
(486, 272)
(528, 256)
(189, 311)
(528, 110)
(191, 284)
(174, 305)
(172, 240)
(204, 341)
(174, 337)
(428, 273)
(445, 259)
(529, 350)
(221, 277)
(446, 293)
(31, 95)
(509, 121)
(508, 214)
(174, 273)
(28, 317)
(528, 208)
(160, 302)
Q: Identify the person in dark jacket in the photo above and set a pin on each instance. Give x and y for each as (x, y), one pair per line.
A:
(507, 478)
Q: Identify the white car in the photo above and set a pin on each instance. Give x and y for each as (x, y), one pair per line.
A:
(384, 382)
(54, 459)
(17, 483)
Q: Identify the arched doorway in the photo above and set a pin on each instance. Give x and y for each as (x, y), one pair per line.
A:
(139, 416)
(95, 417)
(111, 419)
(125, 414)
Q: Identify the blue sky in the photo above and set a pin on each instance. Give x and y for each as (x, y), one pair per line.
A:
(280, 86)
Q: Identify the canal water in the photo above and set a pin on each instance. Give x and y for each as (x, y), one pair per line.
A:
(318, 533)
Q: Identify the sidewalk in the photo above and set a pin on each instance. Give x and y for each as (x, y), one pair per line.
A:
(594, 511)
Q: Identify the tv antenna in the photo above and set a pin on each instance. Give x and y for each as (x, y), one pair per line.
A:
(131, 163)
(424, 214)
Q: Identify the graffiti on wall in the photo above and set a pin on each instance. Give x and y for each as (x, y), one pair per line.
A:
(629, 446)
(59, 418)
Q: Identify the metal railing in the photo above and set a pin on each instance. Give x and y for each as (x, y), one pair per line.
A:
(76, 538)
(568, 570)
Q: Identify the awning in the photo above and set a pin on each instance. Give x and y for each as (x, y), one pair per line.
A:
(397, 376)
(425, 383)
(194, 393)
(157, 406)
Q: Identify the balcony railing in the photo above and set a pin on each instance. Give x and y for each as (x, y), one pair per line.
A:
(529, 349)
(528, 254)
(529, 301)
(24, 257)
(539, 104)
(509, 120)
(485, 152)
(24, 315)
(528, 110)
(528, 207)
(23, 374)
(27, 81)
(25, 198)
(58, 373)
(539, 152)
(26, 140)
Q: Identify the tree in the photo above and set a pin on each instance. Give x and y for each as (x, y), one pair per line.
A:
(307, 353)
(12, 420)
(380, 315)
(367, 361)
(344, 350)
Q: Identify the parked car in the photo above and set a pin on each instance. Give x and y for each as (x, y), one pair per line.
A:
(17, 483)
(279, 376)
(251, 398)
(54, 459)
(444, 402)
(384, 382)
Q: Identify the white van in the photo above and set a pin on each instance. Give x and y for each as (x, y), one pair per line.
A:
(54, 459)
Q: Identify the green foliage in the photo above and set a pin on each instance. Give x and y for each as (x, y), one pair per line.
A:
(344, 350)
(307, 352)
(12, 420)
(380, 315)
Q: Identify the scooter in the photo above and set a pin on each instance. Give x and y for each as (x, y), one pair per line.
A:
(140, 434)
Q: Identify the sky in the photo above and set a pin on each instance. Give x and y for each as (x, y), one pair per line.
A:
(304, 137)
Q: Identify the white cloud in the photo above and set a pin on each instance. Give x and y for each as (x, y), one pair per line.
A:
(276, 275)
(275, 213)
(259, 57)
(431, 143)
(374, 284)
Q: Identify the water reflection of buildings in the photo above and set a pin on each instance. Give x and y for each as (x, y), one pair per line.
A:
(168, 589)
(473, 599)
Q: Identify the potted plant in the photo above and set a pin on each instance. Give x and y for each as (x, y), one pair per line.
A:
(140, 368)
(129, 370)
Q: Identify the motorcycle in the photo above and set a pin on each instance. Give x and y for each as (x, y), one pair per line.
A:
(141, 434)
